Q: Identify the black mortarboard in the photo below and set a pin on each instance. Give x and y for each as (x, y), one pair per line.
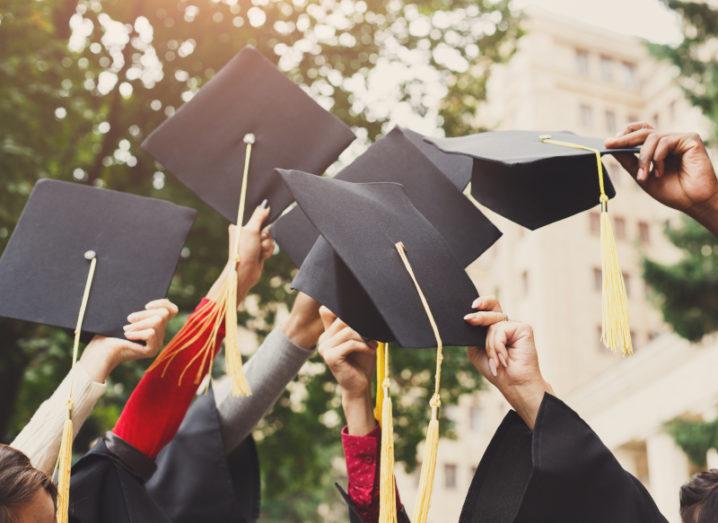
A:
(530, 181)
(396, 158)
(362, 223)
(203, 143)
(456, 167)
(136, 241)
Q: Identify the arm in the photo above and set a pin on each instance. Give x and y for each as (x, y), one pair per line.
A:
(275, 363)
(157, 405)
(673, 168)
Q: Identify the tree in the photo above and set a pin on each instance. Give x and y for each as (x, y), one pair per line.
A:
(83, 81)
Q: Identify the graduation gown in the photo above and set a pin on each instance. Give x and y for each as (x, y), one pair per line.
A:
(192, 479)
(559, 472)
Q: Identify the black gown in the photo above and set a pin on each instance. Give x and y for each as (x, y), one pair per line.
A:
(560, 472)
(192, 480)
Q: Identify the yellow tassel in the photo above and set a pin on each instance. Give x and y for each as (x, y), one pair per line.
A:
(64, 469)
(615, 325)
(387, 487)
(380, 373)
(232, 355)
(616, 329)
(428, 470)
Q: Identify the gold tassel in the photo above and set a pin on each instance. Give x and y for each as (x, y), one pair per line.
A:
(64, 459)
(232, 355)
(431, 444)
(387, 487)
(615, 324)
(380, 373)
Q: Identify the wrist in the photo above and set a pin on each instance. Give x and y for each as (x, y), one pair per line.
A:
(99, 361)
(358, 412)
(526, 399)
(706, 213)
(303, 330)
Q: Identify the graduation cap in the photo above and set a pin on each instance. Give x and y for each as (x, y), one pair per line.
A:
(456, 167)
(535, 178)
(399, 267)
(398, 158)
(224, 145)
(84, 258)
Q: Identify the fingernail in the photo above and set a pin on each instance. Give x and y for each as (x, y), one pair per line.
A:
(126, 327)
(468, 316)
(640, 173)
(503, 361)
(476, 303)
(264, 204)
(492, 367)
(129, 318)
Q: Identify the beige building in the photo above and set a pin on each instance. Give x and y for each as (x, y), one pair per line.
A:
(571, 76)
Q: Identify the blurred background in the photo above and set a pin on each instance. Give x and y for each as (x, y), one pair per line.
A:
(83, 81)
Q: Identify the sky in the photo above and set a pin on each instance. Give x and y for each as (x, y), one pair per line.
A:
(644, 18)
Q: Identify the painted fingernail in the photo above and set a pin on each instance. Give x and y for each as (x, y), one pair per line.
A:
(493, 367)
(468, 316)
(503, 361)
(264, 204)
(476, 303)
(126, 327)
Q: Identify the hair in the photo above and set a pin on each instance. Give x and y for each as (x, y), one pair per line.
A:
(19, 482)
(699, 498)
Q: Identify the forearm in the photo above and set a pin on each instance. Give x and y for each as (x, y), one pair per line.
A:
(40, 438)
(275, 363)
(706, 214)
(526, 400)
(359, 413)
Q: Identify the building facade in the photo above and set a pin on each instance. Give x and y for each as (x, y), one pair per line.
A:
(571, 76)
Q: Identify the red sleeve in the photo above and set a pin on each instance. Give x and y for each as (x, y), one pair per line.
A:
(156, 407)
(362, 455)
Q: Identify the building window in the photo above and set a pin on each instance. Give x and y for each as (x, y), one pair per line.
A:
(594, 219)
(672, 111)
(474, 418)
(627, 283)
(644, 233)
(585, 114)
(525, 282)
(449, 476)
(620, 225)
(611, 125)
(607, 68)
(597, 279)
(582, 61)
(632, 118)
(628, 73)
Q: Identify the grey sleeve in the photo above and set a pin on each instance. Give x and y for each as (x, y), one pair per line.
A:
(275, 363)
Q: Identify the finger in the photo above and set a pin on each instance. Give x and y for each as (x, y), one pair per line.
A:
(665, 146)
(645, 157)
(153, 322)
(328, 319)
(497, 343)
(267, 249)
(142, 335)
(267, 233)
(164, 303)
(484, 318)
(633, 139)
(342, 351)
(486, 303)
(491, 352)
(149, 313)
(256, 221)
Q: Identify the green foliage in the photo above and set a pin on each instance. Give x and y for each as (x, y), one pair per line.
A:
(83, 81)
(687, 291)
(695, 438)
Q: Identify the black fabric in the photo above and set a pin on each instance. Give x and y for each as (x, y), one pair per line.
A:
(202, 143)
(43, 270)
(353, 513)
(362, 222)
(561, 472)
(456, 167)
(530, 182)
(194, 481)
(398, 158)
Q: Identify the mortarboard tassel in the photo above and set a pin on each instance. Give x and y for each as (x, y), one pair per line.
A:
(64, 463)
(224, 310)
(431, 443)
(387, 486)
(615, 328)
(380, 373)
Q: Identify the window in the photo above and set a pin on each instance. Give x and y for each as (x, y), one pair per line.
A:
(620, 225)
(632, 118)
(627, 283)
(449, 476)
(607, 68)
(525, 282)
(672, 111)
(644, 233)
(594, 218)
(582, 61)
(474, 418)
(597, 279)
(585, 114)
(628, 74)
(611, 125)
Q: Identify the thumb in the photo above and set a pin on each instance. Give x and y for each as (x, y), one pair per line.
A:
(258, 218)
(327, 317)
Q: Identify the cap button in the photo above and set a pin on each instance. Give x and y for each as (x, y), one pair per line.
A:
(249, 138)
(89, 255)
(545, 137)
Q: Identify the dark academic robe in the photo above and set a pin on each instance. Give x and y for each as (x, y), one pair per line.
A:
(354, 517)
(560, 472)
(192, 480)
